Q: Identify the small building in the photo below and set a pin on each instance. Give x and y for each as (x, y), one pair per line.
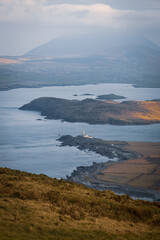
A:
(85, 135)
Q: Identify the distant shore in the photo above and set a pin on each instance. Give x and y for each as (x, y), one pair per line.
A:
(7, 87)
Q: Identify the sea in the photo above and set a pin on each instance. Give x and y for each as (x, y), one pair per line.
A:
(30, 144)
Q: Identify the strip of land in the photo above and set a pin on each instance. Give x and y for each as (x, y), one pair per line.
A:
(137, 171)
(97, 112)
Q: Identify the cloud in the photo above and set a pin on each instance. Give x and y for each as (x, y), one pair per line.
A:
(43, 12)
(41, 20)
(117, 4)
(137, 5)
(61, 14)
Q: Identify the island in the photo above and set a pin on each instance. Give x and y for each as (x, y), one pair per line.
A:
(87, 94)
(109, 97)
(135, 171)
(97, 112)
(84, 94)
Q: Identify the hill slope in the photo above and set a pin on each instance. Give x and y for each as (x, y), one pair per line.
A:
(38, 207)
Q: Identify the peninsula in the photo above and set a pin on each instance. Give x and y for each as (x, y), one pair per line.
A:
(97, 112)
(136, 171)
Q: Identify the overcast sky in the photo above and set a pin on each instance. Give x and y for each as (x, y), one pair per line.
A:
(25, 24)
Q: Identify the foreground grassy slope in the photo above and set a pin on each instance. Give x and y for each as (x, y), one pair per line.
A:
(38, 207)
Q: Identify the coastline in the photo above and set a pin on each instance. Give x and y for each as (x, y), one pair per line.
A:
(93, 111)
(111, 174)
(18, 86)
(86, 176)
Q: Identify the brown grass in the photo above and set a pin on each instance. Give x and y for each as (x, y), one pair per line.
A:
(139, 110)
(151, 110)
(38, 207)
(144, 173)
(146, 148)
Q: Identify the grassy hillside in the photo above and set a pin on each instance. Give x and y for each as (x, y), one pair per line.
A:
(38, 207)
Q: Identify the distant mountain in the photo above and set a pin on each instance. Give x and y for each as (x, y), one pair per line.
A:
(87, 44)
(86, 59)
(70, 46)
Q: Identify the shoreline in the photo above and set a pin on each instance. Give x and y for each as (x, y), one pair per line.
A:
(18, 86)
(8, 88)
(93, 111)
(101, 176)
(85, 175)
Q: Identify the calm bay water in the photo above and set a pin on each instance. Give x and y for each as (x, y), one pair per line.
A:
(31, 145)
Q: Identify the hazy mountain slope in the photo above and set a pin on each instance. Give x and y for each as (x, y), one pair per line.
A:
(87, 44)
(78, 45)
(86, 59)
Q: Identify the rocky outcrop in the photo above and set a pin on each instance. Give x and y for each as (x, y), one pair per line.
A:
(99, 146)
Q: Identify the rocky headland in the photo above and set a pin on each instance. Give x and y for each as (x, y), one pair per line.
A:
(104, 148)
(97, 112)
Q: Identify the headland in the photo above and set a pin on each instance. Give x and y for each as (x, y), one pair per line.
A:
(97, 112)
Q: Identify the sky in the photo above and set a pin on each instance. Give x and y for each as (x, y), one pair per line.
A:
(25, 24)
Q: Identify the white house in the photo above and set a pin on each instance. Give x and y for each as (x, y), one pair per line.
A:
(85, 135)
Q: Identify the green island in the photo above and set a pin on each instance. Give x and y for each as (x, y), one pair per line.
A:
(39, 207)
